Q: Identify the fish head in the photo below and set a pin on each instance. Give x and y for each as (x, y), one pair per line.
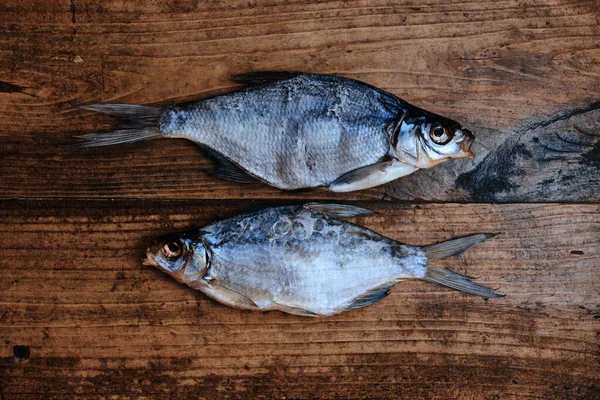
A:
(181, 255)
(425, 139)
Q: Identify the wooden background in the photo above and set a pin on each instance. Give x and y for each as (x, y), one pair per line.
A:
(524, 75)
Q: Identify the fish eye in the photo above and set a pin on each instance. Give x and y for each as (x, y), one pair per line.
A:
(172, 249)
(439, 134)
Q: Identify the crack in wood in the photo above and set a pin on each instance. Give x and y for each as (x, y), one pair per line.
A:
(7, 87)
(595, 105)
(72, 8)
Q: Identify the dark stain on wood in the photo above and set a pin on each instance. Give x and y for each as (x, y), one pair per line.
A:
(489, 180)
(538, 161)
(592, 157)
(7, 87)
(73, 10)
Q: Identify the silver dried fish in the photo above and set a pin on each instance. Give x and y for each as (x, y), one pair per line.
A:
(298, 131)
(302, 260)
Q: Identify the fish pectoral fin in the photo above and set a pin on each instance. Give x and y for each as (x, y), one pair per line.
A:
(227, 296)
(339, 210)
(371, 175)
(226, 169)
(296, 310)
(372, 296)
(264, 77)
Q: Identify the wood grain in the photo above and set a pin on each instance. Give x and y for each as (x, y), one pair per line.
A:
(99, 324)
(524, 75)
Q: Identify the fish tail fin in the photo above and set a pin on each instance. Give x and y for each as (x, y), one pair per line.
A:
(451, 279)
(141, 123)
(456, 281)
(455, 247)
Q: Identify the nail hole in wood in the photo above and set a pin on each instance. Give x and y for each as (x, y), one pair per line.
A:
(21, 353)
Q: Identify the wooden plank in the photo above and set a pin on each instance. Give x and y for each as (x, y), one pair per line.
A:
(99, 324)
(523, 74)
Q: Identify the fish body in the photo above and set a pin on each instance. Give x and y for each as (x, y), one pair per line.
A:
(297, 131)
(298, 259)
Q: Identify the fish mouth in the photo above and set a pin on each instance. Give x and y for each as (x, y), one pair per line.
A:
(148, 260)
(465, 144)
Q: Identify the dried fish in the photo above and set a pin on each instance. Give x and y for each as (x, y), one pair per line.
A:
(302, 260)
(298, 131)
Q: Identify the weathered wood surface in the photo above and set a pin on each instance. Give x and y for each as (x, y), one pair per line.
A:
(524, 75)
(99, 324)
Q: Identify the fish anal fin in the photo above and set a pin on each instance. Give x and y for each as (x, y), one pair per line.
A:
(339, 210)
(296, 310)
(372, 296)
(226, 169)
(371, 175)
(232, 175)
(304, 190)
(264, 77)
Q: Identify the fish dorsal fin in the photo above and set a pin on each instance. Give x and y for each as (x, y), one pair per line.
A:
(339, 210)
(372, 296)
(227, 170)
(264, 77)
